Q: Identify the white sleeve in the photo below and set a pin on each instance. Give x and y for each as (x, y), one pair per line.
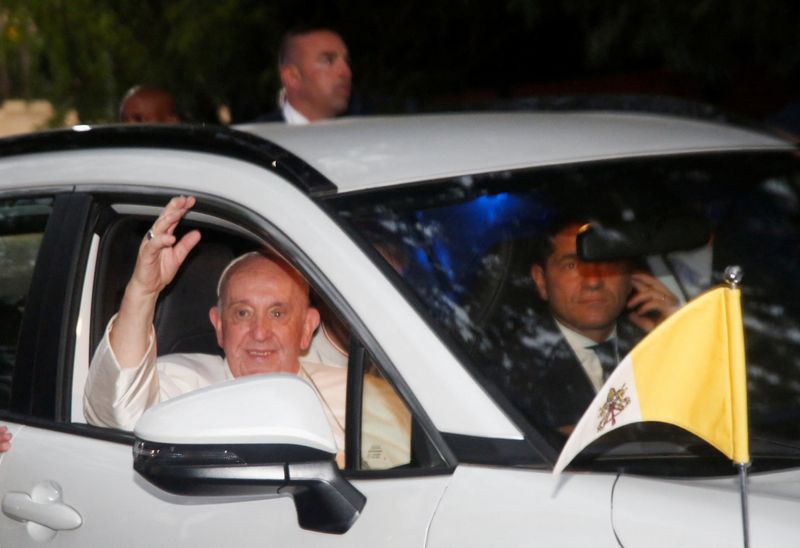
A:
(117, 397)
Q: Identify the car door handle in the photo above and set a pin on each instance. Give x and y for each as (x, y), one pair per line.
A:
(43, 506)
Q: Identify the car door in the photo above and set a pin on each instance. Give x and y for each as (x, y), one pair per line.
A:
(709, 509)
(73, 484)
(488, 506)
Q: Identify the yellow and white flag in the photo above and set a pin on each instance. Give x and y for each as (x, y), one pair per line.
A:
(689, 371)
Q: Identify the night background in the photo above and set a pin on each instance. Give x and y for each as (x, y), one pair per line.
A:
(734, 58)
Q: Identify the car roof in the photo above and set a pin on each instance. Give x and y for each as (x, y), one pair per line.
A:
(359, 153)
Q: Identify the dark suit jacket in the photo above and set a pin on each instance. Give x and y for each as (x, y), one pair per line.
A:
(543, 377)
(561, 384)
(274, 116)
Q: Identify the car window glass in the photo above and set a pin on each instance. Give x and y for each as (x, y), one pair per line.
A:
(22, 224)
(467, 248)
(385, 424)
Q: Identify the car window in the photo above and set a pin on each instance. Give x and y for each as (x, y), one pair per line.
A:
(385, 428)
(22, 224)
(182, 326)
(468, 246)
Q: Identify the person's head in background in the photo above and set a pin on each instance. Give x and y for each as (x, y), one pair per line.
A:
(314, 68)
(148, 105)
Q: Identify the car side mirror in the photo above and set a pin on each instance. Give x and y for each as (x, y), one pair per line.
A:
(264, 435)
(615, 241)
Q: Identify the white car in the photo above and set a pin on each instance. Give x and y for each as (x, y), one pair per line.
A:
(415, 234)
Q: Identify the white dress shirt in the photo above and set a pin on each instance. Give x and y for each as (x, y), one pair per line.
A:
(580, 345)
(293, 116)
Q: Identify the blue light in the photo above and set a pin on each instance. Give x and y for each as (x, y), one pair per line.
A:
(490, 207)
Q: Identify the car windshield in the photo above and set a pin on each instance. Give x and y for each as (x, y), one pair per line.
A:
(466, 251)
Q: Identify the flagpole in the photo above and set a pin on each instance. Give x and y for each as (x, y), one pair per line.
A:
(743, 491)
(733, 277)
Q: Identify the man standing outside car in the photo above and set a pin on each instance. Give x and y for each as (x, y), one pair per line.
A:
(314, 68)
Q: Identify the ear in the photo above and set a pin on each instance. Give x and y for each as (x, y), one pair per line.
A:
(310, 325)
(290, 76)
(216, 321)
(537, 273)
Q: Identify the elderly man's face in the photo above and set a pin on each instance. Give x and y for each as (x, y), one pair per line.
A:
(265, 321)
(317, 76)
(586, 297)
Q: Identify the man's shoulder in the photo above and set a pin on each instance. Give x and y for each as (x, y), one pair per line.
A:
(551, 342)
(274, 116)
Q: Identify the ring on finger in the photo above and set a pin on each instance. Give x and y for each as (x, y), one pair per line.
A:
(150, 235)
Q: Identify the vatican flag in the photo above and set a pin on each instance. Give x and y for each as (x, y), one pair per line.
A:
(689, 372)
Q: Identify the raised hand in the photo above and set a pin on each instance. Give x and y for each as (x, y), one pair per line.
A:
(160, 256)
(159, 259)
(651, 302)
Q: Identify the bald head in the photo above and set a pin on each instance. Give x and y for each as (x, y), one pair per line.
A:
(148, 105)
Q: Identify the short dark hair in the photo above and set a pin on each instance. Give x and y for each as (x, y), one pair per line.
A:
(592, 206)
(296, 32)
(544, 245)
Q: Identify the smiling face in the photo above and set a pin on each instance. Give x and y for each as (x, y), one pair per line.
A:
(586, 297)
(263, 321)
(316, 74)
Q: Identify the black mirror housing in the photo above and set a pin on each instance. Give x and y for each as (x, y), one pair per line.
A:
(599, 242)
(324, 500)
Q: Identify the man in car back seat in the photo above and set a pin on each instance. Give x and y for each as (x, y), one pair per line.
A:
(262, 319)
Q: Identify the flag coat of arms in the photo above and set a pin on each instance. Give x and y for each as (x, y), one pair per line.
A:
(689, 372)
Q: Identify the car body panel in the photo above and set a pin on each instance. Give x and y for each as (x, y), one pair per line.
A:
(486, 506)
(103, 492)
(707, 512)
(357, 154)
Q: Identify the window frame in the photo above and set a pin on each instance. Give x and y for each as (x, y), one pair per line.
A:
(262, 232)
(46, 342)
